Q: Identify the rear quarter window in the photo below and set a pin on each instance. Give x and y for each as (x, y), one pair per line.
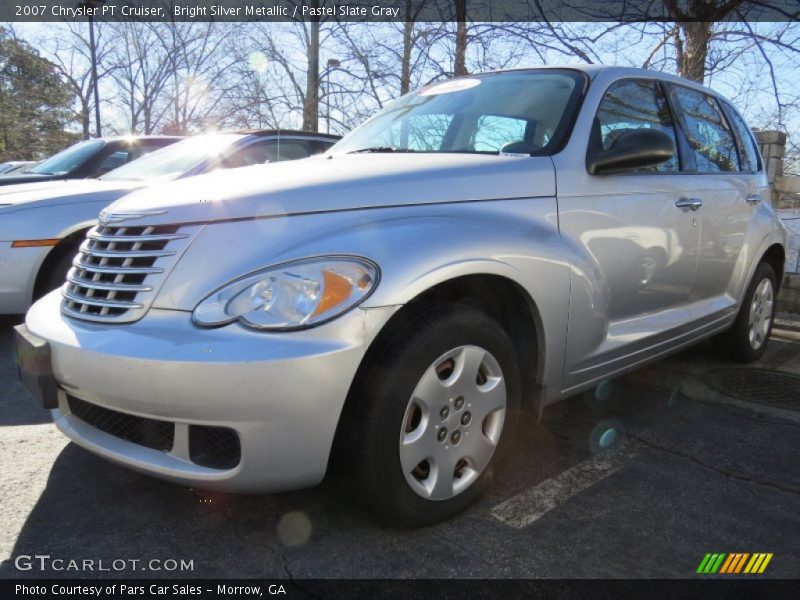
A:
(750, 154)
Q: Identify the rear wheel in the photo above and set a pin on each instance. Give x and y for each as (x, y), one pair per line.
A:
(747, 340)
(439, 409)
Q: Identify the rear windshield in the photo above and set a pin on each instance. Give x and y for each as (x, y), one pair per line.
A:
(516, 112)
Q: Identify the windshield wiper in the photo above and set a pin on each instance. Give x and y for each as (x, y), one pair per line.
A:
(380, 150)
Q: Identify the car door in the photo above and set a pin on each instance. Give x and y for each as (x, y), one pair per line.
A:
(718, 182)
(636, 251)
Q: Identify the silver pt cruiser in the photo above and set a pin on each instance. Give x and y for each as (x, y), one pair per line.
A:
(485, 245)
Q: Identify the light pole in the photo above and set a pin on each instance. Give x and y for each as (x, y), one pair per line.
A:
(333, 64)
(91, 5)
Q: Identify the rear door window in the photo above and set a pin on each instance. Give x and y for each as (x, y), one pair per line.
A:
(707, 131)
(256, 153)
(319, 146)
(293, 149)
(114, 160)
(272, 150)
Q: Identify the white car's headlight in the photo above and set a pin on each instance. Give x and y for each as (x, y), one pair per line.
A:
(292, 295)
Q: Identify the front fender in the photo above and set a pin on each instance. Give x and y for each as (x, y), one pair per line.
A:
(21, 266)
(415, 247)
(48, 222)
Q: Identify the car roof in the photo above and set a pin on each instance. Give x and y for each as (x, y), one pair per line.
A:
(593, 71)
(117, 138)
(288, 132)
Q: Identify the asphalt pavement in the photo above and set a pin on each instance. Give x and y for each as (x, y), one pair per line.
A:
(639, 478)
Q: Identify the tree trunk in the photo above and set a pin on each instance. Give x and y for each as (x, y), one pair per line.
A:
(311, 105)
(85, 119)
(691, 46)
(405, 67)
(460, 63)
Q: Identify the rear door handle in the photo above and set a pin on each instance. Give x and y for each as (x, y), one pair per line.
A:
(753, 199)
(692, 203)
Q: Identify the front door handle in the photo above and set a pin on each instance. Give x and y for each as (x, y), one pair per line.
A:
(753, 199)
(692, 203)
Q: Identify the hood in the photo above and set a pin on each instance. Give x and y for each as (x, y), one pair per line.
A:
(346, 182)
(65, 192)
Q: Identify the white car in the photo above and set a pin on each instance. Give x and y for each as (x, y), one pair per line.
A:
(43, 224)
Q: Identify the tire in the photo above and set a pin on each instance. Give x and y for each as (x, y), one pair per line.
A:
(392, 430)
(747, 339)
(56, 272)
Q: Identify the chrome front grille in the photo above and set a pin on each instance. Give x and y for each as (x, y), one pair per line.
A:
(118, 271)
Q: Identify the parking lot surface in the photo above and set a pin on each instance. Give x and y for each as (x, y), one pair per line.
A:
(640, 478)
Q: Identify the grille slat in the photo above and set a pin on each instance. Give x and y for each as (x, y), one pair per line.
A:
(111, 252)
(133, 238)
(100, 301)
(96, 284)
(117, 271)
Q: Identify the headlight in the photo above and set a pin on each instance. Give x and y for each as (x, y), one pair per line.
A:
(292, 295)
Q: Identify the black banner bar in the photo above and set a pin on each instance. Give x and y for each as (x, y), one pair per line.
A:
(400, 10)
(417, 589)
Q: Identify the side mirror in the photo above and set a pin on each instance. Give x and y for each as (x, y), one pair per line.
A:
(633, 149)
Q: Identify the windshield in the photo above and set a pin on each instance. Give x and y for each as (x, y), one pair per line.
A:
(68, 160)
(520, 112)
(174, 160)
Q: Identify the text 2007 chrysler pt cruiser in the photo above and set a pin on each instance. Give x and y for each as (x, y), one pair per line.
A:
(482, 245)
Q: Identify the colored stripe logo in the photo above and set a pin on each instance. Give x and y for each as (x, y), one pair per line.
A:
(734, 563)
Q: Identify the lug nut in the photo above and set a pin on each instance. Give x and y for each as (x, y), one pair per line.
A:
(444, 413)
(466, 418)
(459, 403)
(456, 437)
(442, 435)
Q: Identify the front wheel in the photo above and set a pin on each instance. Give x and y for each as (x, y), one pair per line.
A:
(438, 411)
(747, 340)
(55, 273)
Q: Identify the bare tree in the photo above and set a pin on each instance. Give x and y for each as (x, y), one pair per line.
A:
(70, 51)
(200, 57)
(142, 73)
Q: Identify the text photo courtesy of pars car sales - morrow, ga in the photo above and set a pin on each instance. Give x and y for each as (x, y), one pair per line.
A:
(415, 298)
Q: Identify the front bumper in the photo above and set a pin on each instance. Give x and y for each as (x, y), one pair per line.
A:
(282, 393)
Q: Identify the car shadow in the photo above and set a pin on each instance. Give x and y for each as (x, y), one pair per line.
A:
(93, 509)
(17, 407)
(89, 508)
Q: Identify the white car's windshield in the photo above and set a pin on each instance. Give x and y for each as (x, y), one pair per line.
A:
(520, 112)
(68, 160)
(174, 160)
